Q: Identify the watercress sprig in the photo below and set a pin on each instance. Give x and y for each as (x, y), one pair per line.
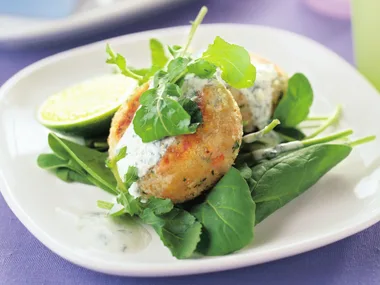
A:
(129, 204)
(161, 113)
(119, 60)
(164, 110)
(234, 62)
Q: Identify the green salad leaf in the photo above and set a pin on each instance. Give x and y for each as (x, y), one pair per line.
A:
(161, 113)
(119, 60)
(68, 175)
(160, 116)
(202, 68)
(128, 204)
(295, 105)
(159, 206)
(178, 229)
(131, 205)
(245, 171)
(192, 108)
(175, 50)
(234, 62)
(176, 69)
(122, 153)
(158, 58)
(72, 162)
(158, 54)
(278, 181)
(51, 161)
(290, 134)
(131, 176)
(227, 216)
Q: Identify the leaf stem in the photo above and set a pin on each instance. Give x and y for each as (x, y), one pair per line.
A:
(316, 118)
(329, 138)
(118, 60)
(272, 152)
(179, 76)
(258, 135)
(361, 141)
(286, 138)
(331, 120)
(115, 171)
(309, 126)
(198, 20)
(127, 72)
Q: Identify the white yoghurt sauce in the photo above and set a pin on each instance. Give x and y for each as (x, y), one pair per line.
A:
(101, 233)
(144, 156)
(259, 96)
(268, 153)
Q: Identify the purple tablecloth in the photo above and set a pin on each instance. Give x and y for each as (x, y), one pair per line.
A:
(354, 260)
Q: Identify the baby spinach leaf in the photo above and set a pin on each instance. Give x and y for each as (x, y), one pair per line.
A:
(245, 171)
(290, 134)
(227, 216)
(51, 161)
(294, 106)
(92, 161)
(202, 68)
(67, 169)
(278, 181)
(178, 229)
(57, 148)
(158, 54)
(69, 175)
(234, 61)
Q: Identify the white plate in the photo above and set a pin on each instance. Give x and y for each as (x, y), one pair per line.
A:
(88, 14)
(344, 202)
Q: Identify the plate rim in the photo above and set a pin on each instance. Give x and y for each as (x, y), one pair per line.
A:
(182, 267)
(81, 21)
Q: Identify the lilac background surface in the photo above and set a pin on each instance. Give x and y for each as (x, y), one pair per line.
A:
(354, 260)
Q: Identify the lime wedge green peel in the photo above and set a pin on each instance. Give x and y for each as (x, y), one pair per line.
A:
(86, 109)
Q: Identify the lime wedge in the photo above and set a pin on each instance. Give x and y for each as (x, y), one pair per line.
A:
(86, 109)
